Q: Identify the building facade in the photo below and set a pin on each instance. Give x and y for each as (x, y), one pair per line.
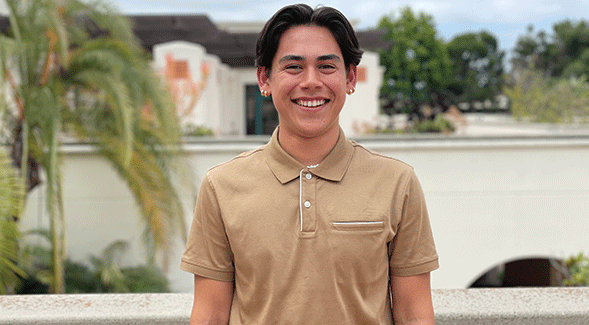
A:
(212, 74)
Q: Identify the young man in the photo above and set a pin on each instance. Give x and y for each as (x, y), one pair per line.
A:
(310, 228)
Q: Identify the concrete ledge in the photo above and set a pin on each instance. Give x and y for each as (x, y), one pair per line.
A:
(538, 306)
(81, 309)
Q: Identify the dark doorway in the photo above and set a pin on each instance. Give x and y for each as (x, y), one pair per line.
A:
(261, 116)
(529, 272)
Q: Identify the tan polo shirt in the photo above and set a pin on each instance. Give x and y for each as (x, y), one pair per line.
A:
(310, 245)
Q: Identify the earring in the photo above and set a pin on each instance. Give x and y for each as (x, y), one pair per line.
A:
(265, 93)
(351, 91)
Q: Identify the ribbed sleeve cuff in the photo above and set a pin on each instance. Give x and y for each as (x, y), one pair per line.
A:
(416, 269)
(226, 276)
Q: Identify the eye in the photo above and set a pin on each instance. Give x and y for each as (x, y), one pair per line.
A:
(293, 67)
(327, 67)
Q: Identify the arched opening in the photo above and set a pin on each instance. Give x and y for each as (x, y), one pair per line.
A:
(525, 272)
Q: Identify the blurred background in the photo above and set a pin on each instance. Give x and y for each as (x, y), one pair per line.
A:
(112, 111)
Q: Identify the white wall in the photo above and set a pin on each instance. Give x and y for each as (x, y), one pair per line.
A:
(232, 118)
(363, 105)
(211, 102)
(490, 200)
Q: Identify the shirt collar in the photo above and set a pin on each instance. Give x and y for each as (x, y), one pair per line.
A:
(286, 168)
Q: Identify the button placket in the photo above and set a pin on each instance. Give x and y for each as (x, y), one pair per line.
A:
(307, 202)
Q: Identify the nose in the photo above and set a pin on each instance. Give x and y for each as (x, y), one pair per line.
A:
(311, 79)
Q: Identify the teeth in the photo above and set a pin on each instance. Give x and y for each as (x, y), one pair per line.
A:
(312, 103)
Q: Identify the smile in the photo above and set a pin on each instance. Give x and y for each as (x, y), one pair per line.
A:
(311, 103)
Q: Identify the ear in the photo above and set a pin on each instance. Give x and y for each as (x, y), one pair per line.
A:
(351, 78)
(263, 79)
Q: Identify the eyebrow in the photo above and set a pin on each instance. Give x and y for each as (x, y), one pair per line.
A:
(301, 58)
(329, 57)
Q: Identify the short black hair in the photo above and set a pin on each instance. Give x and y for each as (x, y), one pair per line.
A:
(302, 14)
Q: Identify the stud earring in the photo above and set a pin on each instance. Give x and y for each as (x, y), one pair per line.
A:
(265, 93)
(351, 91)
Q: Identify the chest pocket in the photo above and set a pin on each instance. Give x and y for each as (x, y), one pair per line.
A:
(358, 248)
(358, 223)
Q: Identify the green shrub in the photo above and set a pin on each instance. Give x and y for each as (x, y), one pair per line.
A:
(144, 279)
(437, 125)
(578, 267)
(79, 278)
(103, 276)
(198, 131)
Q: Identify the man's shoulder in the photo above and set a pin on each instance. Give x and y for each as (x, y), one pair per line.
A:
(367, 156)
(239, 164)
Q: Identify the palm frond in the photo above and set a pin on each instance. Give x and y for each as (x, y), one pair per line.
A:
(11, 202)
(116, 98)
(160, 206)
(148, 176)
(56, 26)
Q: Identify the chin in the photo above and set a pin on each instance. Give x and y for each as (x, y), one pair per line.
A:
(314, 131)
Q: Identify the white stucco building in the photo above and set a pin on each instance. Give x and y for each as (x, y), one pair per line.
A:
(212, 72)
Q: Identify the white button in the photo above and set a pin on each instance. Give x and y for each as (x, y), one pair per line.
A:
(308, 176)
(307, 204)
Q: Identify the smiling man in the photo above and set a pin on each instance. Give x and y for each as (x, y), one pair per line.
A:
(310, 228)
(308, 81)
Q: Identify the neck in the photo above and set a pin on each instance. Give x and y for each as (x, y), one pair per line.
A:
(308, 151)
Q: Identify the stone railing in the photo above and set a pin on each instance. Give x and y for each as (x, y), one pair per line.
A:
(538, 306)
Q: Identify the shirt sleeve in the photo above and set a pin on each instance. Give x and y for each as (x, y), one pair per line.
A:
(208, 253)
(412, 250)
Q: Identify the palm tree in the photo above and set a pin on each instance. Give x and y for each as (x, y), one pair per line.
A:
(74, 67)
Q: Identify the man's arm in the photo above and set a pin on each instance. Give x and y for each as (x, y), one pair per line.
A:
(212, 301)
(412, 300)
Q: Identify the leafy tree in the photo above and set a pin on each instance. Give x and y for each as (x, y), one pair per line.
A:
(534, 50)
(564, 53)
(547, 99)
(477, 65)
(75, 66)
(418, 67)
(550, 74)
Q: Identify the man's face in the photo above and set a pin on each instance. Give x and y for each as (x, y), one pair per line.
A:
(308, 82)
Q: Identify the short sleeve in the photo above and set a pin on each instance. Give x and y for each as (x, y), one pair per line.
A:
(208, 253)
(412, 250)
